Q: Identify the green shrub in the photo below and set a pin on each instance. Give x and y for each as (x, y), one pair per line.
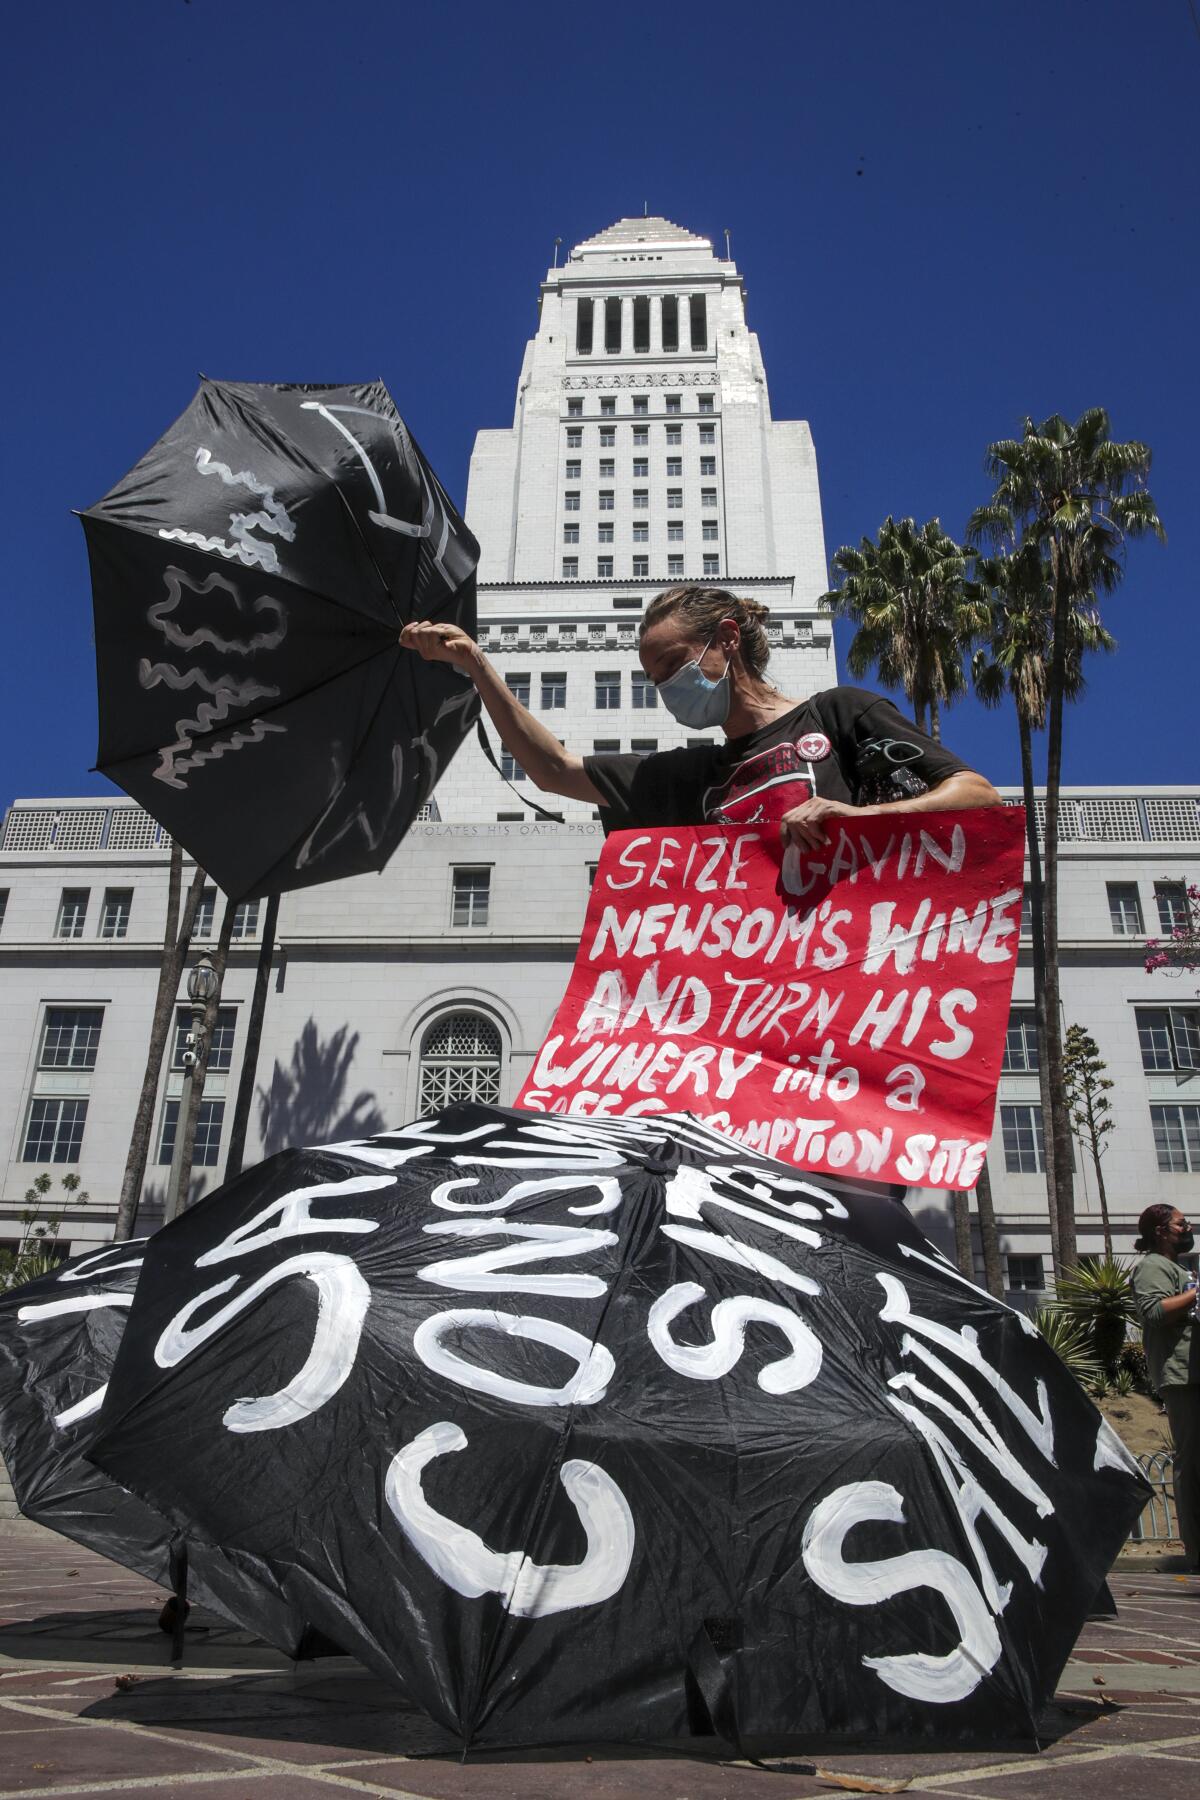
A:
(1098, 1294)
(1071, 1341)
(1133, 1359)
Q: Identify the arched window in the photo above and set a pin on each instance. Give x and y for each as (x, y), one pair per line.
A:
(460, 1060)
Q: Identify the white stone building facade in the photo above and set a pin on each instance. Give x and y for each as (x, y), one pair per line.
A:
(439, 978)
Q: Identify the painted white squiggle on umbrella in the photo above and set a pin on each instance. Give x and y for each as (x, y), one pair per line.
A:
(160, 615)
(919, 1676)
(342, 1301)
(245, 548)
(465, 1563)
(39, 1310)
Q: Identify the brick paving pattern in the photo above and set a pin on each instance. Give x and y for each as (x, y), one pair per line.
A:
(90, 1705)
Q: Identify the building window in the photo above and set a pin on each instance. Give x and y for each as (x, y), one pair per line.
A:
(674, 403)
(641, 531)
(72, 912)
(604, 533)
(641, 467)
(245, 919)
(641, 499)
(1026, 912)
(1169, 1037)
(708, 465)
(608, 404)
(1024, 1148)
(604, 568)
(708, 433)
(472, 891)
(641, 324)
(641, 566)
(674, 434)
(220, 1044)
(554, 692)
(605, 500)
(641, 404)
(608, 468)
(643, 746)
(675, 466)
(571, 500)
(674, 499)
(608, 437)
(114, 919)
(71, 1037)
(699, 321)
(645, 694)
(510, 768)
(708, 496)
(1170, 897)
(706, 403)
(1125, 909)
(712, 565)
(575, 407)
(674, 565)
(3, 906)
(574, 437)
(709, 531)
(675, 531)
(605, 746)
(1176, 1138)
(570, 534)
(460, 1060)
(518, 687)
(574, 469)
(210, 1116)
(1026, 1274)
(670, 322)
(1020, 1042)
(54, 1132)
(608, 690)
(612, 336)
(641, 435)
(583, 341)
(570, 568)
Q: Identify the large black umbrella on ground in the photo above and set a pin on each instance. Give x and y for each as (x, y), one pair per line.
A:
(605, 1429)
(59, 1337)
(250, 577)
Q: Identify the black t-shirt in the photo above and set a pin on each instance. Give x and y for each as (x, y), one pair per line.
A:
(845, 744)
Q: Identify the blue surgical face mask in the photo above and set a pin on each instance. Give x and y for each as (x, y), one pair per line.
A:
(693, 698)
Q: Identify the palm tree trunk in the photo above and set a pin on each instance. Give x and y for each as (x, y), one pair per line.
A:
(935, 720)
(964, 1255)
(254, 1025)
(176, 938)
(1064, 1183)
(188, 1126)
(1038, 936)
(989, 1237)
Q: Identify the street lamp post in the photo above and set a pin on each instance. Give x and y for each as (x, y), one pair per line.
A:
(203, 983)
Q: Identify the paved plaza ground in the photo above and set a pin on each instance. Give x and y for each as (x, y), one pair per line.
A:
(90, 1705)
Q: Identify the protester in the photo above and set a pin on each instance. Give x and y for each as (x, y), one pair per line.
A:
(797, 763)
(1166, 1299)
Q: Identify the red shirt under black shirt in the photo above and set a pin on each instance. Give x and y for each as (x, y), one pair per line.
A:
(844, 744)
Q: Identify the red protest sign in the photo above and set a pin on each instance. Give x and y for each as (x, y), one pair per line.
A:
(841, 1008)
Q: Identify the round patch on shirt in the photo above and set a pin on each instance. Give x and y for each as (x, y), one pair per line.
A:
(814, 746)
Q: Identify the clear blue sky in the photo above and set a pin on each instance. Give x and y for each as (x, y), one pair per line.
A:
(949, 215)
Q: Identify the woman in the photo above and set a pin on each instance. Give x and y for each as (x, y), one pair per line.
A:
(1166, 1297)
(789, 762)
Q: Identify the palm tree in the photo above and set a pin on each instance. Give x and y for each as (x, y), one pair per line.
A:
(908, 594)
(1076, 498)
(176, 938)
(1014, 659)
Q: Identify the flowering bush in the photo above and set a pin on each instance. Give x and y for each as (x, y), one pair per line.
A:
(1179, 953)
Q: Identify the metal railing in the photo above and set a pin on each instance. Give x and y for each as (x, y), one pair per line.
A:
(1158, 1521)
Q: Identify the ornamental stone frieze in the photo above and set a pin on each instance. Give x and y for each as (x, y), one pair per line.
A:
(643, 379)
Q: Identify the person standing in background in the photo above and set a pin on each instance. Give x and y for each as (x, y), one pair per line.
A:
(1166, 1295)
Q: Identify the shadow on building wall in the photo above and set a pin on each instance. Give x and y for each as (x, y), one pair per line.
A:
(306, 1102)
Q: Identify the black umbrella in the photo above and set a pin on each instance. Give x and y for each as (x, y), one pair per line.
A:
(250, 577)
(59, 1336)
(609, 1429)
